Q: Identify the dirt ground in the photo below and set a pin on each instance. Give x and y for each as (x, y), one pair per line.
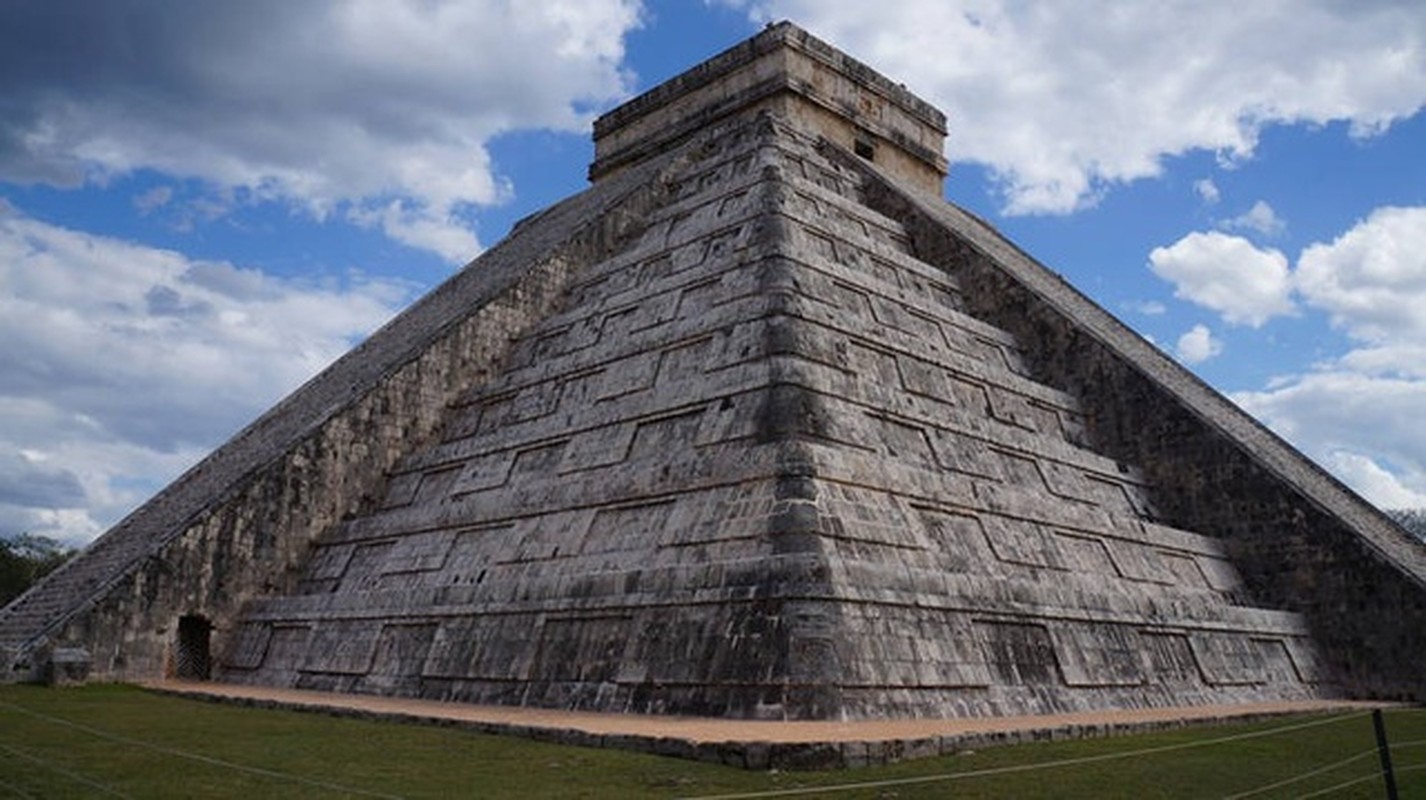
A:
(704, 730)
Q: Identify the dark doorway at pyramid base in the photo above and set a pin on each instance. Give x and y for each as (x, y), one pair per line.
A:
(191, 657)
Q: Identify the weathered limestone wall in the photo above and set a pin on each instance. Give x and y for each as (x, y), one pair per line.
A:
(1300, 540)
(765, 464)
(240, 524)
(798, 77)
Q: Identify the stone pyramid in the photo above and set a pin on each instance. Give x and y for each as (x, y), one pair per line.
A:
(756, 426)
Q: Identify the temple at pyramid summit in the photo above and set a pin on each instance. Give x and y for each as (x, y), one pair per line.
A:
(756, 426)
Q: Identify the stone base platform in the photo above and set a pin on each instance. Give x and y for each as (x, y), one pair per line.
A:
(753, 744)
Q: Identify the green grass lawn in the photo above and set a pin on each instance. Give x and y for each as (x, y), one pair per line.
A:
(118, 741)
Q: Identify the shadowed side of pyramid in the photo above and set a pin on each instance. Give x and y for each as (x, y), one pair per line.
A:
(760, 427)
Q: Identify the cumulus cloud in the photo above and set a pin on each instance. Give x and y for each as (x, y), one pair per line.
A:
(1360, 413)
(327, 105)
(1366, 428)
(1062, 100)
(122, 360)
(1372, 279)
(1198, 345)
(1149, 308)
(1207, 191)
(1261, 218)
(1229, 274)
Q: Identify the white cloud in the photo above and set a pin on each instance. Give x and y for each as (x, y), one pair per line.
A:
(326, 105)
(1261, 218)
(123, 364)
(154, 198)
(1228, 274)
(1377, 485)
(1198, 345)
(1149, 308)
(1360, 413)
(1064, 99)
(1372, 279)
(1207, 191)
(1366, 428)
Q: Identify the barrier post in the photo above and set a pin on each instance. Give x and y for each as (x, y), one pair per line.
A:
(1384, 751)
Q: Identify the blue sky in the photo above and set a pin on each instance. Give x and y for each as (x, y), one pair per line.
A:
(203, 204)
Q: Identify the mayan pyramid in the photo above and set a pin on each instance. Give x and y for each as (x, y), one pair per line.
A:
(756, 426)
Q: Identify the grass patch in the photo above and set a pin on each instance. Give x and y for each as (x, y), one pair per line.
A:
(107, 740)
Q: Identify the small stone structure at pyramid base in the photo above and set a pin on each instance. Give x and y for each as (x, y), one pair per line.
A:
(758, 426)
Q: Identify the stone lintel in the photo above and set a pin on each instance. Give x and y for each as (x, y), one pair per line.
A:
(789, 71)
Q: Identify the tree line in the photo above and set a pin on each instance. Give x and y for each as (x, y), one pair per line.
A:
(25, 559)
(1412, 519)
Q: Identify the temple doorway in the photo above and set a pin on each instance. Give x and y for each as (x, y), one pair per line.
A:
(191, 660)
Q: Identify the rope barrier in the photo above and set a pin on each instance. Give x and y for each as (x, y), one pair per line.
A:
(68, 773)
(218, 762)
(954, 776)
(1375, 776)
(1303, 776)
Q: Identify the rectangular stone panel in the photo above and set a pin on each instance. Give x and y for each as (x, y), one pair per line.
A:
(496, 647)
(401, 490)
(868, 515)
(1304, 659)
(958, 541)
(1170, 657)
(1019, 654)
(722, 245)
(366, 566)
(472, 552)
(1220, 573)
(635, 527)
(287, 648)
(697, 298)
(1011, 408)
(581, 648)
(965, 454)
(1067, 481)
(633, 374)
(484, 472)
(924, 378)
(542, 459)
(1228, 659)
(878, 367)
(543, 538)
(1139, 562)
(598, 447)
(401, 653)
(1277, 663)
(328, 562)
(419, 552)
(343, 647)
(905, 442)
(436, 484)
(1018, 541)
(655, 269)
(730, 417)
(1085, 554)
(1098, 654)
(662, 437)
(249, 646)
(1185, 570)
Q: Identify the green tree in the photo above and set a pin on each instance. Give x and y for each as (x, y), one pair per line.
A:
(25, 559)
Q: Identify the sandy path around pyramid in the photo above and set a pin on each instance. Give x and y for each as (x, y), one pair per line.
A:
(704, 730)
